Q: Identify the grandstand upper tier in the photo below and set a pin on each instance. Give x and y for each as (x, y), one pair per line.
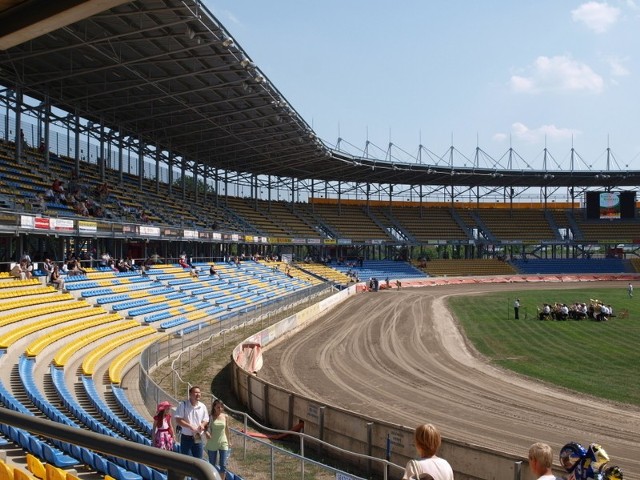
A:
(318, 222)
(165, 78)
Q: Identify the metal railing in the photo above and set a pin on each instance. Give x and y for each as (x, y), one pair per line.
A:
(188, 349)
(178, 466)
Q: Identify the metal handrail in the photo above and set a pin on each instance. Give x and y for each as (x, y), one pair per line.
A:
(177, 465)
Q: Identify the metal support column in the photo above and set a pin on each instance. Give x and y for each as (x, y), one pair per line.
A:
(47, 124)
(19, 138)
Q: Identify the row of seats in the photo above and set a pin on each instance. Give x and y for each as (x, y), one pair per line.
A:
(105, 282)
(89, 362)
(103, 409)
(468, 267)
(22, 331)
(570, 265)
(118, 468)
(241, 291)
(39, 344)
(63, 354)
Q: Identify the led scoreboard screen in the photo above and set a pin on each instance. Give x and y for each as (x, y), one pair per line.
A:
(611, 205)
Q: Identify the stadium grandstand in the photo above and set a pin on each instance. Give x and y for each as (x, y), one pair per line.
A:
(146, 154)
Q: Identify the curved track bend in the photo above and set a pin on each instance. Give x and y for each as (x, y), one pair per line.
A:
(399, 356)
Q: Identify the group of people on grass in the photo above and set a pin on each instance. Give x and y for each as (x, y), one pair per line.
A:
(595, 310)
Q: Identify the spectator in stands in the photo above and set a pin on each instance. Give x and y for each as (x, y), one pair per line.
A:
(74, 267)
(212, 270)
(47, 266)
(102, 191)
(122, 266)
(192, 416)
(112, 265)
(57, 186)
(540, 460)
(39, 203)
(81, 209)
(73, 187)
(23, 141)
(130, 263)
(105, 258)
(219, 438)
(182, 261)
(56, 278)
(49, 195)
(430, 466)
(163, 436)
(194, 271)
(18, 272)
(42, 147)
(27, 268)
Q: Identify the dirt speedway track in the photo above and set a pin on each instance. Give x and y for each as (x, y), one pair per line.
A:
(399, 356)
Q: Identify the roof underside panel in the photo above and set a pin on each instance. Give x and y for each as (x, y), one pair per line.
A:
(166, 72)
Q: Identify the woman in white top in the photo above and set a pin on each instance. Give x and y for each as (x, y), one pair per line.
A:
(429, 466)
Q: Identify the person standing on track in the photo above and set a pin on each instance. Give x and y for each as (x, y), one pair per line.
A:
(427, 439)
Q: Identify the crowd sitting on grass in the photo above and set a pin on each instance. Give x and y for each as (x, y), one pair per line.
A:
(595, 310)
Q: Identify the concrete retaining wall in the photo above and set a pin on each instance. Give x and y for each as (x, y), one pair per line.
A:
(281, 409)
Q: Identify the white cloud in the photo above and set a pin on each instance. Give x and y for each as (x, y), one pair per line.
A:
(535, 135)
(597, 16)
(557, 74)
(617, 67)
(519, 131)
(232, 17)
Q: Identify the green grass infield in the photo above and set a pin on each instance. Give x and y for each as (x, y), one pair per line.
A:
(596, 358)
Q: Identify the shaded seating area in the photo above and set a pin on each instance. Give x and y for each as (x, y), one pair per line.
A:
(381, 269)
(328, 273)
(467, 267)
(572, 265)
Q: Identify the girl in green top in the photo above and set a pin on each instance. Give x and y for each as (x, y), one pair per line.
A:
(218, 438)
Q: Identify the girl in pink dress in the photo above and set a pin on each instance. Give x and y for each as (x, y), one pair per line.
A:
(162, 431)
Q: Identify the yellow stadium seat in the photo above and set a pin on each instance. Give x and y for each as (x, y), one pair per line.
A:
(20, 475)
(6, 471)
(35, 466)
(55, 473)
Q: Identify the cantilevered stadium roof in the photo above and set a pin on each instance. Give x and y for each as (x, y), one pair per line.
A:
(168, 73)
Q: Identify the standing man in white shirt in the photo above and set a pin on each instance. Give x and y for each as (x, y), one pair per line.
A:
(516, 308)
(192, 416)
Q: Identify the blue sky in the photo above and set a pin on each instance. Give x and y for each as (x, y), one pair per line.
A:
(483, 73)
